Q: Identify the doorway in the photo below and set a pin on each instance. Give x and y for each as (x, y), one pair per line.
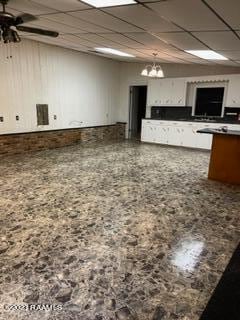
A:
(137, 110)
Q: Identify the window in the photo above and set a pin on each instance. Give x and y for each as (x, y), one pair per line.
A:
(42, 115)
(209, 101)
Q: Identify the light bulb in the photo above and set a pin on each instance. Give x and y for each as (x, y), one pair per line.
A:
(144, 72)
(160, 73)
(153, 72)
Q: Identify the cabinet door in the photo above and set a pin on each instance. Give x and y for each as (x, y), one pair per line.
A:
(147, 133)
(233, 92)
(204, 141)
(178, 97)
(153, 95)
(189, 137)
(174, 136)
(162, 135)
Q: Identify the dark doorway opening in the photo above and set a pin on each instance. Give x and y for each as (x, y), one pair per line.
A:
(209, 102)
(137, 110)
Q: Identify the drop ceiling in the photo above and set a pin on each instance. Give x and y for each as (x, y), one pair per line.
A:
(166, 27)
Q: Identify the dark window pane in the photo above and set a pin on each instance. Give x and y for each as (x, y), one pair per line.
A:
(209, 101)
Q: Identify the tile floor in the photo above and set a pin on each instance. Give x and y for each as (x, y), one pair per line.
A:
(121, 231)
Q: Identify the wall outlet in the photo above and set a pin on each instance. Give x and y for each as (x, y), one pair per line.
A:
(1, 119)
(17, 118)
(55, 117)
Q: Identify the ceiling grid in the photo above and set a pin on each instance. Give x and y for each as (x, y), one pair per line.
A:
(161, 26)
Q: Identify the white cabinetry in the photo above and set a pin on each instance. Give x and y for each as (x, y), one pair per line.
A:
(233, 93)
(147, 134)
(167, 92)
(162, 134)
(174, 135)
(179, 133)
(189, 136)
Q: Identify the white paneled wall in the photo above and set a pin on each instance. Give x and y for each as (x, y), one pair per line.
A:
(80, 89)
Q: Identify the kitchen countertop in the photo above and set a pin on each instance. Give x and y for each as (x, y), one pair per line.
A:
(197, 121)
(216, 131)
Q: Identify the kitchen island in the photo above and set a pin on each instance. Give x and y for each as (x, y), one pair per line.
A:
(225, 155)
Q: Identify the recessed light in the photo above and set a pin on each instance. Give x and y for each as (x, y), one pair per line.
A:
(108, 3)
(114, 52)
(207, 54)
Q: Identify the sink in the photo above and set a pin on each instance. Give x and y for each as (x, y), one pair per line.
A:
(205, 120)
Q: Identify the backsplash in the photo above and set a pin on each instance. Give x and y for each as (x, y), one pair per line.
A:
(171, 113)
(231, 115)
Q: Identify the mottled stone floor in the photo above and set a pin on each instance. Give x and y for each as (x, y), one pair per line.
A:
(115, 231)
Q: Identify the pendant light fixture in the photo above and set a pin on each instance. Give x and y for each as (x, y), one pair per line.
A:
(154, 70)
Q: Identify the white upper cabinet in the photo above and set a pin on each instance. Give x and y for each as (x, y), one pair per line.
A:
(153, 93)
(233, 93)
(167, 92)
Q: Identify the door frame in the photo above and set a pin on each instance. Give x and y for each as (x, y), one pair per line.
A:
(130, 87)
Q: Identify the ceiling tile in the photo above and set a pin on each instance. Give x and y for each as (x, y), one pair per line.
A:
(234, 55)
(124, 40)
(190, 14)
(228, 10)
(105, 20)
(148, 40)
(76, 39)
(58, 42)
(68, 20)
(52, 25)
(28, 6)
(137, 53)
(146, 1)
(160, 55)
(228, 63)
(142, 17)
(182, 40)
(63, 5)
(100, 41)
(222, 40)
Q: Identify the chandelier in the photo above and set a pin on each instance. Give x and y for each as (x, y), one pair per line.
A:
(153, 70)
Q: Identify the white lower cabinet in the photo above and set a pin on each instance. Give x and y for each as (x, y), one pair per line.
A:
(147, 133)
(189, 136)
(178, 133)
(174, 136)
(163, 134)
(204, 141)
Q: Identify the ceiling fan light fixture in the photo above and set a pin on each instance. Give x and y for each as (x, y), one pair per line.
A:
(8, 20)
(16, 37)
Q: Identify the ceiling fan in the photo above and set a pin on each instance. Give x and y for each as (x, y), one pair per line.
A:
(8, 21)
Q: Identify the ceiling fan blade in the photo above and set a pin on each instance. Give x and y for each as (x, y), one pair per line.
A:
(23, 18)
(42, 32)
